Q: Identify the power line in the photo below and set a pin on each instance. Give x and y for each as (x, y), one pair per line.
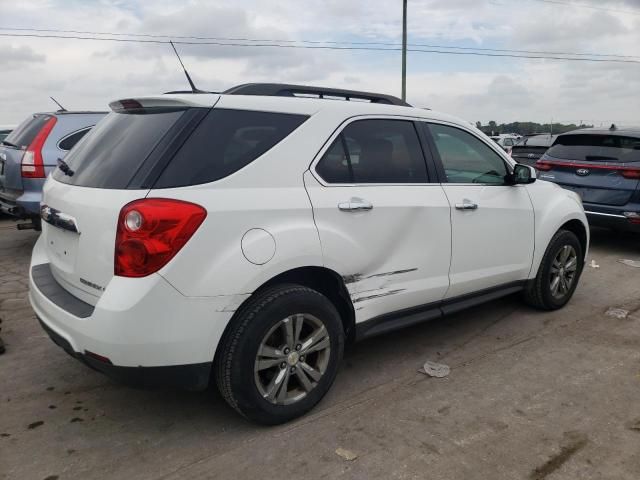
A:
(592, 7)
(325, 47)
(319, 42)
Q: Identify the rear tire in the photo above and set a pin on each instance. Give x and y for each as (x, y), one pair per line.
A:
(253, 372)
(559, 273)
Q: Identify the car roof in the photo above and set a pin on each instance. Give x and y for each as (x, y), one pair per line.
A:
(537, 140)
(621, 131)
(294, 105)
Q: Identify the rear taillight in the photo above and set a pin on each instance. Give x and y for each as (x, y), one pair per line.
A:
(633, 217)
(151, 232)
(627, 172)
(632, 173)
(543, 165)
(32, 162)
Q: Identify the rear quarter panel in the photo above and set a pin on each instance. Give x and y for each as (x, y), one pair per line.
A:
(268, 194)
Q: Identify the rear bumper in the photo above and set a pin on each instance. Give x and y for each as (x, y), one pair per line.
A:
(611, 218)
(187, 377)
(27, 205)
(140, 331)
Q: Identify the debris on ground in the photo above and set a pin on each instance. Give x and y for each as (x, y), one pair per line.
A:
(348, 455)
(634, 425)
(630, 263)
(593, 264)
(616, 312)
(433, 369)
(2, 347)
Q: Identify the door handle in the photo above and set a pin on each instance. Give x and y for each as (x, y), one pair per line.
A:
(355, 205)
(467, 205)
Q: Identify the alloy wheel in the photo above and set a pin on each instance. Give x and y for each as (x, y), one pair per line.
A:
(292, 358)
(563, 271)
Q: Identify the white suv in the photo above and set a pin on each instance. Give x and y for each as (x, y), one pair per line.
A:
(244, 237)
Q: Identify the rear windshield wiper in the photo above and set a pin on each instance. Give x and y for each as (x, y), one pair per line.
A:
(64, 168)
(4, 142)
(599, 157)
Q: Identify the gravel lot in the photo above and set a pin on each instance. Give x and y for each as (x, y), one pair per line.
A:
(530, 396)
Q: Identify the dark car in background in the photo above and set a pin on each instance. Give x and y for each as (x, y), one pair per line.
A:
(603, 167)
(30, 152)
(530, 148)
(4, 132)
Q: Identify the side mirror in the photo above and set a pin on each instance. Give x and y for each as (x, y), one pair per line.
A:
(523, 174)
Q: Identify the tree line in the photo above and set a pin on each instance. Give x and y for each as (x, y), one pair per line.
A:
(528, 128)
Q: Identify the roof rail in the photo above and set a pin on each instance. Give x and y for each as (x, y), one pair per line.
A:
(286, 90)
(176, 92)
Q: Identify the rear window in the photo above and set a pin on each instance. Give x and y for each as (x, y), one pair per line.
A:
(224, 142)
(117, 148)
(68, 142)
(594, 148)
(24, 133)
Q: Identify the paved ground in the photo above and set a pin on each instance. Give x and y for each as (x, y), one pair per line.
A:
(530, 396)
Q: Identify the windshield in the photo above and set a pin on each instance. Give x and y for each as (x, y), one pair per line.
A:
(588, 147)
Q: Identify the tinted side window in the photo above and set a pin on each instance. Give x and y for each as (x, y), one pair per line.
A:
(69, 141)
(378, 151)
(334, 167)
(465, 158)
(224, 142)
(24, 133)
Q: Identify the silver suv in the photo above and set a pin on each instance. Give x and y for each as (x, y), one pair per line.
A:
(31, 152)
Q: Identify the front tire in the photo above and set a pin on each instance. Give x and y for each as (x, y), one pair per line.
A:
(558, 274)
(280, 354)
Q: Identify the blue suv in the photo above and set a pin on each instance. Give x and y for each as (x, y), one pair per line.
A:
(31, 152)
(603, 167)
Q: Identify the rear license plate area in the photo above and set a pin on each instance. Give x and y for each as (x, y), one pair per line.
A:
(62, 247)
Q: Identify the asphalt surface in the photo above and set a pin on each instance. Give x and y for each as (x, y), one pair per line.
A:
(530, 395)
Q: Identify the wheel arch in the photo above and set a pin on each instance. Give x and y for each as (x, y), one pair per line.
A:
(572, 223)
(577, 227)
(324, 280)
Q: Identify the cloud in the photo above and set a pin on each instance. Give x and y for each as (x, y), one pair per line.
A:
(16, 57)
(89, 74)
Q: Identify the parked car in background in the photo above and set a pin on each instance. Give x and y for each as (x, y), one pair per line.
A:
(30, 152)
(4, 131)
(603, 167)
(173, 254)
(530, 148)
(506, 142)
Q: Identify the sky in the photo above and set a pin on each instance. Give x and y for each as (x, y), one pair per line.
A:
(89, 74)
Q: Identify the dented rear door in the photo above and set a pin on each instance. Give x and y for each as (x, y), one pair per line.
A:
(391, 241)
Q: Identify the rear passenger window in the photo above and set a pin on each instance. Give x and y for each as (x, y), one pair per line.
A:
(224, 142)
(69, 141)
(375, 151)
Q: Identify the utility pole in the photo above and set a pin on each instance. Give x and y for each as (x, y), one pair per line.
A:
(404, 50)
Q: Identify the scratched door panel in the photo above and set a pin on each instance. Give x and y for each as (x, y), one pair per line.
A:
(395, 255)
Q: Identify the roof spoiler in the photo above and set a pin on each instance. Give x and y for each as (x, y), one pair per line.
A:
(184, 101)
